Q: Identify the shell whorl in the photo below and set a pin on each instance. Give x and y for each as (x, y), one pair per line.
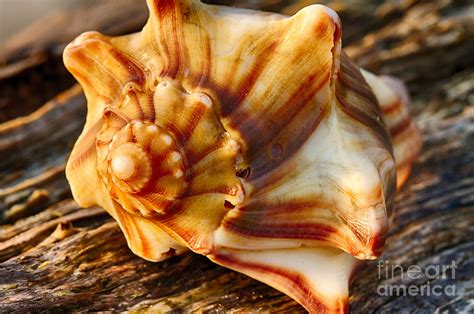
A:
(140, 161)
(146, 157)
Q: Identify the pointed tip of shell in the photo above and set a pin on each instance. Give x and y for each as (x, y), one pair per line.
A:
(316, 278)
(76, 44)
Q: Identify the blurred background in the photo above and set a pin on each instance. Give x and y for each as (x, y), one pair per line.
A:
(16, 14)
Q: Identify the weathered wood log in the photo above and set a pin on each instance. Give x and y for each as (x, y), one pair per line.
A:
(56, 256)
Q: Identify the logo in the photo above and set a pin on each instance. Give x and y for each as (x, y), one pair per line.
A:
(420, 281)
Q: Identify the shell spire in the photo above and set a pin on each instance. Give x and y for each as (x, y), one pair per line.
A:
(245, 136)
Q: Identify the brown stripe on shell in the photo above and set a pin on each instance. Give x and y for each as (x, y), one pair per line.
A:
(197, 78)
(143, 239)
(157, 173)
(149, 107)
(306, 231)
(391, 108)
(400, 127)
(193, 121)
(298, 288)
(351, 85)
(291, 131)
(132, 231)
(223, 94)
(268, 174)
(137, 75)
(229, 104)
(195, 157)
(366, 120)
(154, 202)
(122, 217)
(263, 220)
(169, 13)
(376, 244)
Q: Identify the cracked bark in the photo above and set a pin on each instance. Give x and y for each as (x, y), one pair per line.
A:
(57, 256)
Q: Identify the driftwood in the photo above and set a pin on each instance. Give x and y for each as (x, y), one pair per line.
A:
(56, 256)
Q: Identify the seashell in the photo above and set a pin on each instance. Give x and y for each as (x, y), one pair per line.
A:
(245, 136)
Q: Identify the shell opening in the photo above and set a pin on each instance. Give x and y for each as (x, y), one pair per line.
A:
(243, 173)
(228, 205)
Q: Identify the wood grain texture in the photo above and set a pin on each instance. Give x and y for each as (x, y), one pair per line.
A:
(56, 256)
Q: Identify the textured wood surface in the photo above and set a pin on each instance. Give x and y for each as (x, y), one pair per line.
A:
(56, 256)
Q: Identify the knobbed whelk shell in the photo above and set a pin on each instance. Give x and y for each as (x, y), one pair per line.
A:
(245, 136)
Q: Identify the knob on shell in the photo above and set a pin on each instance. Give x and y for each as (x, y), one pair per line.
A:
(123, 166)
